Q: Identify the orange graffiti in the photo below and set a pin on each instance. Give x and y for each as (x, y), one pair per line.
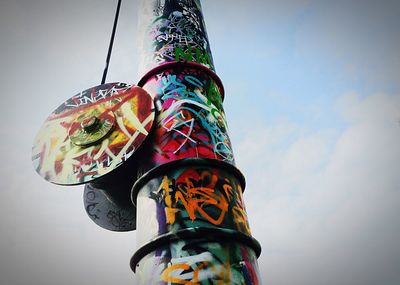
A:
(169, 210)
(172, 274)
(206, 197)
(194, 199)
(168, 277)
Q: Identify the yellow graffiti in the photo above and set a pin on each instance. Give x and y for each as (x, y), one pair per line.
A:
(57, 159)
(169, 210)
(240, 218)
(228, 189)
(204, 271)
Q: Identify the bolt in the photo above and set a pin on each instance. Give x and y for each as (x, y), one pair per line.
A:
(90, 124)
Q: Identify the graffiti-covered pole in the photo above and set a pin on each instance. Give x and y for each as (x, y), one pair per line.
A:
(192, 226)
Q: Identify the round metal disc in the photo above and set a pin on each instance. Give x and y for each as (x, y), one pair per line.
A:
(111, 210)
(92, 133)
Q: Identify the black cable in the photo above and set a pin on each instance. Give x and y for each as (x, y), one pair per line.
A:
(103, 80)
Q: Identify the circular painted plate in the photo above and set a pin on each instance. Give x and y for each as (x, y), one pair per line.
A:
(111, 210)
(92, 133)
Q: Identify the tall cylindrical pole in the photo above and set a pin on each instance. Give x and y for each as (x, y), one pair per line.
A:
(192, 225)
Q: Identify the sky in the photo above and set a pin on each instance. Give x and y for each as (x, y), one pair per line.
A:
(313, 106)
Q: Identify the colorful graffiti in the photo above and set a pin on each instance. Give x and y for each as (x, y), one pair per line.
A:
(192, 222)
(191, 197)
(196, 262)
(177, 32)
(60, 153)
(191, 122)
(192, 54)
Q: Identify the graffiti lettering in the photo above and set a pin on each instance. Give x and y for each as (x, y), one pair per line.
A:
(85, 98)
(175, 27)
(192, 270)
(194, 199)
(193, 263)
(117, 219)
(186, 111)
(240, 218)
(192, 54)
(189, 123)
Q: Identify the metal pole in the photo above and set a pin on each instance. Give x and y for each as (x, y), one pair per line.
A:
(192, 224)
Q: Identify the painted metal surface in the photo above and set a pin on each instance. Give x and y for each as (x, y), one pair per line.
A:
(191, 122)
(172, 31)
(111, 210)
(199, 261)
(199, 194)
(192, 225)
(93, 133)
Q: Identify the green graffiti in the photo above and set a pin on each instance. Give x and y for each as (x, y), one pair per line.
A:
(193, 54)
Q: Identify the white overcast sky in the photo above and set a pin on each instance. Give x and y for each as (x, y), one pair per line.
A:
(313, 105)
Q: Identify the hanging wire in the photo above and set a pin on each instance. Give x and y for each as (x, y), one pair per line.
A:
(103, 80)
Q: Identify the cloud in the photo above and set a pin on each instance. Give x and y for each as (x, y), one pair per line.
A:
(325, 204)
(359, 37)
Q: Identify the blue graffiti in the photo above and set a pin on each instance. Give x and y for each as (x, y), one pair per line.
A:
(186, 94)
